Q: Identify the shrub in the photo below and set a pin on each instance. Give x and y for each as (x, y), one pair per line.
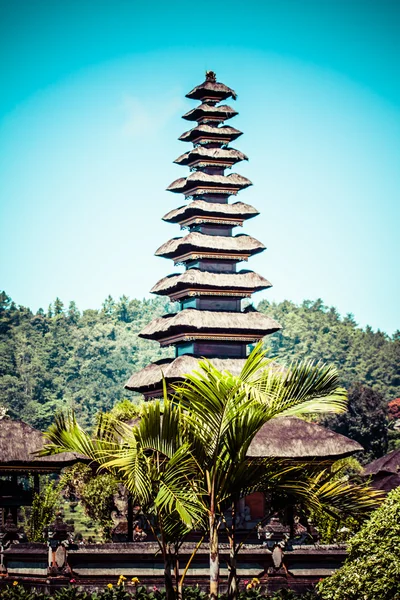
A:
(372, 570)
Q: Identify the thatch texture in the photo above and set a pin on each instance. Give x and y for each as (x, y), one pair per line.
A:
(18, 444)
(390, 463)
(216, 209)
(289, 437)
(243, 280)
(384, 472)
(174, 369)
(209, 132)
(223, 112)
(208, 321)
(233, 182)
(213, 243)
(211, 90)
(207, 155)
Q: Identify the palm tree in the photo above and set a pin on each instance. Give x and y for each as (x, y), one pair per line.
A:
(191, 461)
(153, 462)
(222, 413)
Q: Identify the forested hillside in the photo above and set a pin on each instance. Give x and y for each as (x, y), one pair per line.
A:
(62, 358)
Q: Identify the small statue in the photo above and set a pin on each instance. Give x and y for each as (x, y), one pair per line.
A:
(10, 533)
(59, 537)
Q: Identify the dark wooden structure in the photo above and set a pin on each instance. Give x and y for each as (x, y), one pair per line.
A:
(94, 566)
(211, 322)
(19, 444)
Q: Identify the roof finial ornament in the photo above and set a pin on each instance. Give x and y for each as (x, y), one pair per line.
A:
(211, 76)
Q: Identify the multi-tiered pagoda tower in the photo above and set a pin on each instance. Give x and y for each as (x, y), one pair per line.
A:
(211, 322)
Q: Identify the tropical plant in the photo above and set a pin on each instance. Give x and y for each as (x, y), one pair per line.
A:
(44, 507)
(187, 466)
(153, 462)
(372, 569)
(223, 413)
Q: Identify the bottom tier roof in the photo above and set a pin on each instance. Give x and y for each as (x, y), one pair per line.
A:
(150, 378)
(286, 437)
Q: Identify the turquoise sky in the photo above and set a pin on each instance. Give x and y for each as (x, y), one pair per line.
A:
(92, 94)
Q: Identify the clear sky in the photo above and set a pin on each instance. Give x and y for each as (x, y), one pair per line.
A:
(92, 94)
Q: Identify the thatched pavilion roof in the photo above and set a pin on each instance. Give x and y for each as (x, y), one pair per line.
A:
(191, 320)
(214, 243)
(208, 132)
(390, 463)
(221, 112)
(212, 184)
(211, 90)
(289, 437)
(175, 369)
(18, 444)
(194, 278)
(204, 156)
(384, 471)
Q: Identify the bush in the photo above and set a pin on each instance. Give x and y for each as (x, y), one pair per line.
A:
(372, 570)
(117, 591)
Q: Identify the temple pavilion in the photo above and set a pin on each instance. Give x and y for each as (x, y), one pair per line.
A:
(211, 321)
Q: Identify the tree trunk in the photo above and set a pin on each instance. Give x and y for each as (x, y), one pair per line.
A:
(214, 558)
(178, 585)
(169, 586)
(232, 579)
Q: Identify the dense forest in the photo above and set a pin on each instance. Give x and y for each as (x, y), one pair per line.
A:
(64, 358)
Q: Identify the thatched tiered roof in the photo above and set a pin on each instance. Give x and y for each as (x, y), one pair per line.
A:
(289, 437)
(175, 369)
(211, 90)
(238, 210)
(210, 112)
(18, 444)
(208, 133)
(194, 279)
(204, 323)
(239, 245)
(385, 471)
(204, 156)
(203, 183)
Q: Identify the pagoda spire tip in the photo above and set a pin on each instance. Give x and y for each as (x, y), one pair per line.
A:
(211, 76)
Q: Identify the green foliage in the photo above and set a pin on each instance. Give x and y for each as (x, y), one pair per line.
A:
(140, 592)
(125, 411)
(45, 505)
(82, 360)
(372, 570)
(65, 358)
(312, 330)
(94, 491)
(365, 421)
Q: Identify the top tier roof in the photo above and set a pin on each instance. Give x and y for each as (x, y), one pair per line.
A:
(210, 112)
(211, 89)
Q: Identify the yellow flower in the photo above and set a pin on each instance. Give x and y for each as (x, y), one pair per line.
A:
(255, 581)
(109, 585)
(122, 578)
(15, 582)
(135, 580)
(249, 586)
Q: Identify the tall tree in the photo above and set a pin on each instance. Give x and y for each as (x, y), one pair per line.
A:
(365, 421)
